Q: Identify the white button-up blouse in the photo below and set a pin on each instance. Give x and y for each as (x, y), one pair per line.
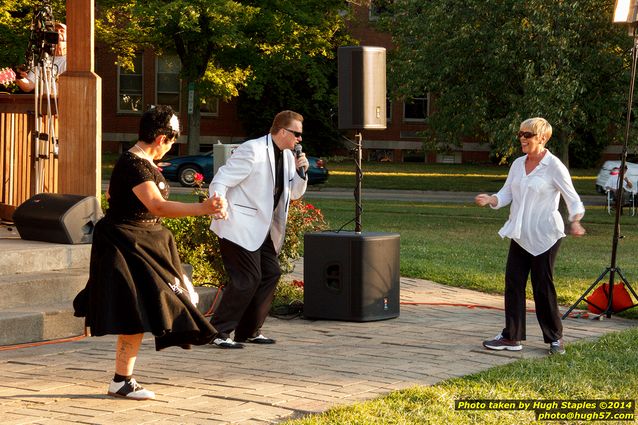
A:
(534, 221)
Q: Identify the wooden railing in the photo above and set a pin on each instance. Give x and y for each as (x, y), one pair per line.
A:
(23, 171)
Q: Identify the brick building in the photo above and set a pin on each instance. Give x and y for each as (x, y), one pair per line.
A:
(155, 81)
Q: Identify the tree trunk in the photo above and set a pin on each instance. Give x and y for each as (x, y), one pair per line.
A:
(194, 122)
(562, 147)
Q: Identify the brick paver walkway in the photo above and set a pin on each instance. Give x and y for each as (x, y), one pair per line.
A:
(314, 366)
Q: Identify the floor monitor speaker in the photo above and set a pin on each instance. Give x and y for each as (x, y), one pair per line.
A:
(58, 218)
(351, 276)
(362, 88)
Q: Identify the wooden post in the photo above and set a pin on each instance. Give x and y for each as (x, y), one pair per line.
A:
(80, 105)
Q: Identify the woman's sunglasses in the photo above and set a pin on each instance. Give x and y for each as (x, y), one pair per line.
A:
(525, 134)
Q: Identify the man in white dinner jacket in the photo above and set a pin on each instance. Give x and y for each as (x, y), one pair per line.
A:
(258, 180)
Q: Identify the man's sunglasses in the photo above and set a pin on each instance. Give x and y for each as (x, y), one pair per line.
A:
(525, 134)
(297, 134)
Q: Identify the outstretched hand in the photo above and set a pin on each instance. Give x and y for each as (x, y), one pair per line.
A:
(484, 199)
(577, 229)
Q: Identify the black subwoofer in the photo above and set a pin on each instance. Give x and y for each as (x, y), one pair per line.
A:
(351, 276)
(58, 218)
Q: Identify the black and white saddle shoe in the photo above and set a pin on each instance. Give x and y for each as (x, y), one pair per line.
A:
(130, 389)
(226, 343)
(259, 339)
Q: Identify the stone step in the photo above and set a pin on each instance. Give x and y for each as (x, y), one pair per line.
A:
(36, 323)
(22, 325)
(207, 295)
(41, 288)
(20, 256)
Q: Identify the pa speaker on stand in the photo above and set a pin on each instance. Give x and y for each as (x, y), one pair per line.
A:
(57, 218)
(362, 88)
(355, 275)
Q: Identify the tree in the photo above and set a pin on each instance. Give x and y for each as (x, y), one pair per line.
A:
(493, 63)
(227, 45)
(300, 73)
(206, 34)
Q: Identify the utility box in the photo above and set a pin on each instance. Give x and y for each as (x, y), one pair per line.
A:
(221, 153)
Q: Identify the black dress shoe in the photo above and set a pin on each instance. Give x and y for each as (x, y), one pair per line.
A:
(259, 339)
(226, 343)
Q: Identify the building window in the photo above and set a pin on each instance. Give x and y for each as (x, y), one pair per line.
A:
(168, 82)
(415, 109)
(209, 106)
(129, 88)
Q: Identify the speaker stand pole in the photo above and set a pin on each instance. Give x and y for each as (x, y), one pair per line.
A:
(358, 138)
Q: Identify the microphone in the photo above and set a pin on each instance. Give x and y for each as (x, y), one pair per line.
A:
(301, 171)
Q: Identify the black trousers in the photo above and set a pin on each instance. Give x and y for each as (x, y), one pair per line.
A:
(247, 298)
(520, 264)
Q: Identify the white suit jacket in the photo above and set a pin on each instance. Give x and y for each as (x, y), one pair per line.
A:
(247, 180)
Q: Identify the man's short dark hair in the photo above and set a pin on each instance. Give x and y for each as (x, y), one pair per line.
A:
(156, 121)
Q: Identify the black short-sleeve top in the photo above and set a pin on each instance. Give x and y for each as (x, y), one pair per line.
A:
(129, 171)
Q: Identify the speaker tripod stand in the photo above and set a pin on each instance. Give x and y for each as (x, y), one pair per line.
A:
(613, 269)
(358, 138)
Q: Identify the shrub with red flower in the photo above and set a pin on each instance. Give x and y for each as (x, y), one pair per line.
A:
(197, 244)
(198, 181)
(302, 218)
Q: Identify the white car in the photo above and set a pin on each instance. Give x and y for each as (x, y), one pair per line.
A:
(605, 171)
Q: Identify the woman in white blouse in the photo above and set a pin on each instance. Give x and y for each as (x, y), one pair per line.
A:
(533, 187)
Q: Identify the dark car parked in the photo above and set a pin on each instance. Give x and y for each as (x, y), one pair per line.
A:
(183, 169)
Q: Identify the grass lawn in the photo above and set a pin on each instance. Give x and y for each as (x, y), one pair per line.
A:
(606, 369)
(452, 177)
(459, 246)
(108, 161)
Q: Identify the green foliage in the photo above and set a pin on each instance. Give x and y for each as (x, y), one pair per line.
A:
(288, 297)
(205, 34)
(296, 69)
(281, 54)
(302, 218)
(15, 24)
(493, 63)
(198, 245)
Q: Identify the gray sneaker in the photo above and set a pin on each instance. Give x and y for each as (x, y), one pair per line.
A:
(557, 347)
(500, 343)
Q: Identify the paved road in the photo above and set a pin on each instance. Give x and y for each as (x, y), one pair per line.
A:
(315, 192)
(414, 195)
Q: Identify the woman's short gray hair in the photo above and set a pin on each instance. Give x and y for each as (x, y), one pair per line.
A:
(539, 126)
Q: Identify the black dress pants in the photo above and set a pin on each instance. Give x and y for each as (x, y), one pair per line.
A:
(247, 298)
(520, 264)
